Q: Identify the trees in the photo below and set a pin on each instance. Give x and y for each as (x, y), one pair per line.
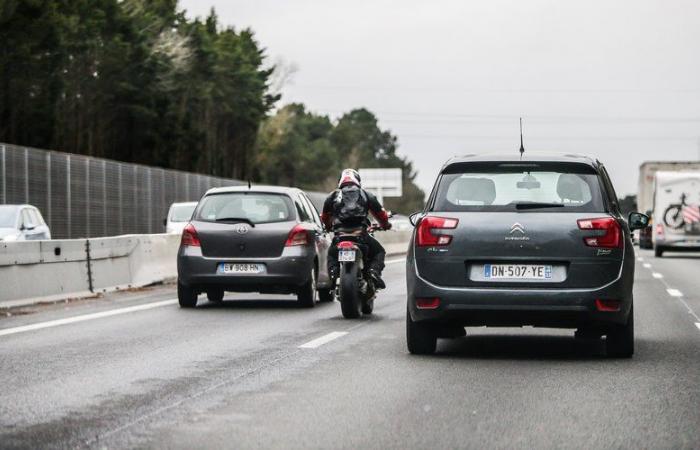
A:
(299, 148)
(131, 80)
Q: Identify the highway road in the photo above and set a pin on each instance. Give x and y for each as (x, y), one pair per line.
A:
(132, 370)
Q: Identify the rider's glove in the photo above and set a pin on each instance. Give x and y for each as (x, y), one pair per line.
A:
(387, 226)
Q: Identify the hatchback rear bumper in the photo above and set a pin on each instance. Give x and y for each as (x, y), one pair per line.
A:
(283, 274)
(556, 308)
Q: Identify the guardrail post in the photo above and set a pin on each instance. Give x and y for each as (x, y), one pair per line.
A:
(88, 261)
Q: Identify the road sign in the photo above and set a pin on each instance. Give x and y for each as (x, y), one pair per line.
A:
(382, 182)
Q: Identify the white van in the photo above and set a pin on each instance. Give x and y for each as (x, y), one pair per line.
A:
(676, 212)
(179, 215)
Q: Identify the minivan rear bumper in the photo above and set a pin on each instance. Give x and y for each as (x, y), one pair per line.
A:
(556, 308)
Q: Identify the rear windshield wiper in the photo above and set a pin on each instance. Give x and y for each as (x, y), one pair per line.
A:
(538, 205)
(235, 219)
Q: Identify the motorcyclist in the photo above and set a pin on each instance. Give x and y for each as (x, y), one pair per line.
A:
(349, 207)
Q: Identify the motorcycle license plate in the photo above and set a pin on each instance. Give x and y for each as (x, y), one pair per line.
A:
(346, 255)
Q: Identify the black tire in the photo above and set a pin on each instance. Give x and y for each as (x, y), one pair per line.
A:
(215, 295)
(326, 295)
(306, 295)
(368, 306)
(619, 342)
(186, 297)
(658, 251)
(350, 303)
(420, 337)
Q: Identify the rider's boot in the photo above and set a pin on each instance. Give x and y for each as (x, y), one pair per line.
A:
(377, 279)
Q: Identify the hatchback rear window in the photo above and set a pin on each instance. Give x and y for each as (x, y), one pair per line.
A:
(508, 187)
(252, 206)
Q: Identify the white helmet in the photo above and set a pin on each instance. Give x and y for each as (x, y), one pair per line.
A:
(349, 176)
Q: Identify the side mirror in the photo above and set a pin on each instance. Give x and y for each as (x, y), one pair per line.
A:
(638, 221)
(414, 218)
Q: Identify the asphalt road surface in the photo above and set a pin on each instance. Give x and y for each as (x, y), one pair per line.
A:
(133, 370)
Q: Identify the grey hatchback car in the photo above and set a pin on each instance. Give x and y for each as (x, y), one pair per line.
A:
(537, 241)
(262, 239)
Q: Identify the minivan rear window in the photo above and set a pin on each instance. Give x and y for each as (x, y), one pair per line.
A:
(253, 206)
(512, 187)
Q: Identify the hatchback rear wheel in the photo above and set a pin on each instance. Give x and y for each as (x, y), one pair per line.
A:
(619, 342)
(420, 337)
(186, 296)
(306, 295)
(215, 295)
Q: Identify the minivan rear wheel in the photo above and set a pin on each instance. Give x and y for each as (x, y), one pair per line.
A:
(306, 295)
(420, 337)
(186, 296)
(619, 342)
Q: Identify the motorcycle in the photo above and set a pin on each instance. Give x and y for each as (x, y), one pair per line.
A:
(355, 289)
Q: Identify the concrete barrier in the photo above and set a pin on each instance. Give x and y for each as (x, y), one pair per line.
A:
(35, 271)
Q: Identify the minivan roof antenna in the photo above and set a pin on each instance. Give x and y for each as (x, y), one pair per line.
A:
(522, 148)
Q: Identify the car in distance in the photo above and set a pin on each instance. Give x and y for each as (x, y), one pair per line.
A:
(537, 241)
(178, 216)
(261, 239)
(22, 223)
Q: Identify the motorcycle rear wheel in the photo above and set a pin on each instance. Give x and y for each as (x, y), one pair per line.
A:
(349, 294)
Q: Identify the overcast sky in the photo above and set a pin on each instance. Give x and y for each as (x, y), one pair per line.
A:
(618, 80)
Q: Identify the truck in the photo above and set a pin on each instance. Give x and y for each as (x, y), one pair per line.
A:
(645, 190)
(676, 206)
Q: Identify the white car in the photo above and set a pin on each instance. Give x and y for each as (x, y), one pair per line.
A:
(22, 223)
(179, 215)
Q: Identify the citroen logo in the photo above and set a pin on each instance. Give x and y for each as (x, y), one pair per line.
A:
(242, 229)
(517, 227)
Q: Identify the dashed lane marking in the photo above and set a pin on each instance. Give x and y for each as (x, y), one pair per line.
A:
(697, 324)
(674, 292)
(640, 259)
(657, 275)
(85, 317)
(316, 343)
(647, 266)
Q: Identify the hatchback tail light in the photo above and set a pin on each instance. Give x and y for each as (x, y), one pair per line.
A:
(190, 237)
(426, 235)
(613, 233)
(298, 236)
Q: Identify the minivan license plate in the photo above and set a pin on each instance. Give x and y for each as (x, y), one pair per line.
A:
(243, 268)
(517, 272)
(346, 255)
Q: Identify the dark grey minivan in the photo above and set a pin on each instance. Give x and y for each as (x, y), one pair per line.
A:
(262, 239)
(505, 241)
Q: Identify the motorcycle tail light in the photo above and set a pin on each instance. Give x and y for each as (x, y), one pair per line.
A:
(190, 237)
(426, 235)
(344, 245)
(613, 233)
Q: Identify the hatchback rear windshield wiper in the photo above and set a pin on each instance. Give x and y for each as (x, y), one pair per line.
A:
(235, 219)
(538, 205)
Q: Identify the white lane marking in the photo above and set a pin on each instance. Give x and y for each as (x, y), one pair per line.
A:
(697, 324)
(647, 266)
(674, 292)
(657, 275)
(316, 343)
(83, 318)
(394, 261)
(640, 259)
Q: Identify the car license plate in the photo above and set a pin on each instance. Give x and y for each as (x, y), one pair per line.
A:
(346, 255)
(517, 272)
(243, 268)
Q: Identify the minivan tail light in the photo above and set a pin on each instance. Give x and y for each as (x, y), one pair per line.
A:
(190, 237)
(607, 305)
(298, 236)
(613, 233)
(425, 235)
